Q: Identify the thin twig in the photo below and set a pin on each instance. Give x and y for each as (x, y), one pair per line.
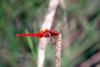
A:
(58, 51)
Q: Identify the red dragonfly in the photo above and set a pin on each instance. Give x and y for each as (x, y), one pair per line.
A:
(45, 33)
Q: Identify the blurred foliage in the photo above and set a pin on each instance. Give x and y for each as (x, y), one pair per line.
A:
(26, 16)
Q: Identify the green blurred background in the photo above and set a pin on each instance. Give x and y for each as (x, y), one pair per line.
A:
(81, 33)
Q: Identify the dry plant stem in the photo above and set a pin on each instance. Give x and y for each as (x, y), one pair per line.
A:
(58, 51)
(46, 25)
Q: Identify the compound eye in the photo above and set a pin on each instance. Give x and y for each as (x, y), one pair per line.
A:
(54, 33)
